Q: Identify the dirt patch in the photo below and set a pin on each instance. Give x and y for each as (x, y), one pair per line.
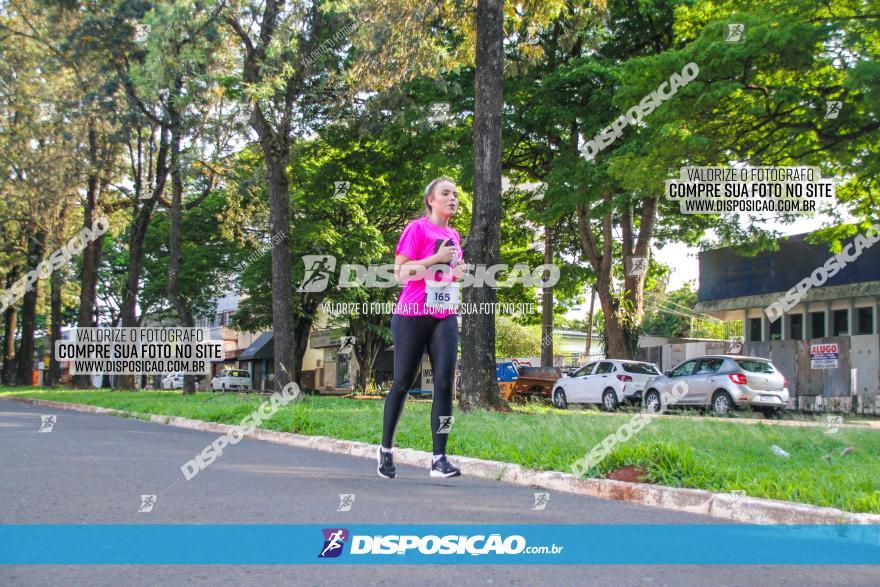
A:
(630, 474)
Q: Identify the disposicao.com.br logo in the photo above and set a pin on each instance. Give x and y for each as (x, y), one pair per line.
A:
(451, 544)
(319, 269)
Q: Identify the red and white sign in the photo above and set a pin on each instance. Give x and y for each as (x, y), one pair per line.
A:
(824, 355)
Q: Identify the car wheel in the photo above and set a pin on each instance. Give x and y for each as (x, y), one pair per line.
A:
(721, 403)
(223, 388)
(652, 401)
(559, 399)
(609, 400)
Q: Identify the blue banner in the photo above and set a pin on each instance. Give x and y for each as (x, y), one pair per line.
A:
(645, 544)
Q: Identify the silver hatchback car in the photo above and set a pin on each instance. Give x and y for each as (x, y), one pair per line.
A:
(723, 382)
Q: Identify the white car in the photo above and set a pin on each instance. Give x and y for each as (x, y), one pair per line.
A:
(609, 383)
(173, 381)
(231, 379)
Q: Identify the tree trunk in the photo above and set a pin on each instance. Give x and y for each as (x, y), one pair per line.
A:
(53, 375)
(366, 349)
(590, 323)
(622, 323)
(139, 226)
(91, 255)
(172, 287)
(479, 387)
(282, 297)
(10, 325)
(25, 354)
(615, 334)
(300, 338)
(547, 305)
(131, 287)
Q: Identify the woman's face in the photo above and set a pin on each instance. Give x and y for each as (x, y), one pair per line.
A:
(444, 198)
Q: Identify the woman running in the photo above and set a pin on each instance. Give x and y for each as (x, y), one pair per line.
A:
(425, 316)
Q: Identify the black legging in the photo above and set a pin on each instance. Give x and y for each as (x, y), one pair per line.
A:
(410, 335)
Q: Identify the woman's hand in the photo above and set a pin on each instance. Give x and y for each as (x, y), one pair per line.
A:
(446, 252)
(459, 270)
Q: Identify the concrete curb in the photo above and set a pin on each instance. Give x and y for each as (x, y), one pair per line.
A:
(726, 506)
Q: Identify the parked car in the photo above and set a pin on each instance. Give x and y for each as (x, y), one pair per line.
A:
(173, 381)
(231, 379)
(609, 383)
(724, 382)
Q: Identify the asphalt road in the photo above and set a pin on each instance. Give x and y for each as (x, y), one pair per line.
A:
(92, 469)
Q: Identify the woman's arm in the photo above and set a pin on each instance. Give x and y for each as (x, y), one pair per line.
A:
(406, 268)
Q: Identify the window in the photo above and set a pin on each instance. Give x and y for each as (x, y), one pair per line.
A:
(865, 321)
(796, 328)
(776, 329)
(641, 368)
(223, 318)
(709, 366)
(239, 373)
(754, 366)
(755, 329)
(840, 320)
(605, 367)
(683, 369)
(817, 324)
(585, 370)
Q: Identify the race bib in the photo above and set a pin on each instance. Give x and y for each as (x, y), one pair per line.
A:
(442, 295)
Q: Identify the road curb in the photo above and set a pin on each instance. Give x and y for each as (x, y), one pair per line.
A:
(726, 506)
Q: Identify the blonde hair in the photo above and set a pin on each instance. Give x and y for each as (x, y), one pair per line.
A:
(430, 190)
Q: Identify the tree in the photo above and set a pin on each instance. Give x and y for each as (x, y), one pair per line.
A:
(279, 79)
(40, 168)
(759, 102)
(479, 388)
(188, 37)
(515, 340)
(668, 313)
(446, 42)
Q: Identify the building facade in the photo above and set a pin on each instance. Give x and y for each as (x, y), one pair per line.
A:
(837, 309)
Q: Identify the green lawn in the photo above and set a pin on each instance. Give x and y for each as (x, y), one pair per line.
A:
(706, 453)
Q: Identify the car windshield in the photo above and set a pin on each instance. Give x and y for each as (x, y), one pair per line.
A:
(755, 366)
(641, 368)
(585, 370)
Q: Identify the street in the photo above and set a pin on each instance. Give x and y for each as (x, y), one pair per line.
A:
(93, 469)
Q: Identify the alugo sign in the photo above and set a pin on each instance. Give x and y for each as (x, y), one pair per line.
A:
(824, 356)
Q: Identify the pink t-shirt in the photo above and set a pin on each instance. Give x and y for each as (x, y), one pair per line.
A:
(420, 239)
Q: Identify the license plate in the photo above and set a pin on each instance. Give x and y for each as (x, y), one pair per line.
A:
(769, 398)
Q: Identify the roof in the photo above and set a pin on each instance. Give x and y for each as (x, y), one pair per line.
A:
(262, 348)
(735, 357)
(729, 273)
(816, 294)
(573, 333)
